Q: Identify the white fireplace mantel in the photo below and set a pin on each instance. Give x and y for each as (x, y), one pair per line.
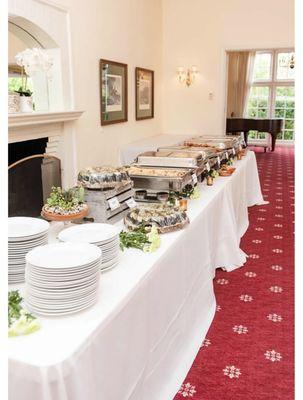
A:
(41, 118)
(58, 127)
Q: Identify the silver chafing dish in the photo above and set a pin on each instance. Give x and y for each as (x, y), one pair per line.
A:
(210, 155)
(224, 143)
(162, 179)
(171, 158)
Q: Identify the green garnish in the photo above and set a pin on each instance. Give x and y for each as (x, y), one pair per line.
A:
(20, 321)
(213, 173)
(187, 191)
(140, 239)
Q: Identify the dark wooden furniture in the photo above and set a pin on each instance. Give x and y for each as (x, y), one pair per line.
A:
(272, 126)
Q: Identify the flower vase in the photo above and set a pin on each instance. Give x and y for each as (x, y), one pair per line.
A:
(13, 102)
(26, 104)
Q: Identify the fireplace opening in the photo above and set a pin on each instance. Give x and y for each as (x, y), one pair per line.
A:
(19, 150)
(31, 175)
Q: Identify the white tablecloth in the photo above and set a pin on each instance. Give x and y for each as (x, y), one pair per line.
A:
(154, 310)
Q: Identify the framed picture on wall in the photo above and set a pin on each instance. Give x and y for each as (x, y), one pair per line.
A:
(144, 93)
(113, 87)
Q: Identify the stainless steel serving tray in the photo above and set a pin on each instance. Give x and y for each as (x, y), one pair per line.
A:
(185, 149)
(222, 142)
(233, 138)
(207, 152)
(220, 145)
(170, 159)
(158, 183)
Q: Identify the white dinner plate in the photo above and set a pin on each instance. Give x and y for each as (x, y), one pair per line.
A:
(62, 255)
(55, 308)
(89, 233)
(61, 277)
(109, 267)
(26, 227)
(62, 302)
(64, 285)
(59, 294)
(109, 263)
(61, 313)
(25, 250)
(63, 271)
(24, 243)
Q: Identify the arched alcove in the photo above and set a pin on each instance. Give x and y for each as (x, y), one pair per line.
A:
(43, 24)
(47, 92)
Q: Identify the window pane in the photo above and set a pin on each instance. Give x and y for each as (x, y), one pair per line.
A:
(258, 102)
(262, 112)
(288, 135)
(284, 103)
(290, 113)
(262, 66)
(289, 124)
(252, 135)
(285, 92)
(280, 113)
(252, 113)
(252, 102)
(283, 69)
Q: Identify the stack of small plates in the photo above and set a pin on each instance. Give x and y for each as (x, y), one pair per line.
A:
(62, 278)
(105, 236)
(24, 234)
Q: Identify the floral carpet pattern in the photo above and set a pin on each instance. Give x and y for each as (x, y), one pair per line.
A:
(248, 351)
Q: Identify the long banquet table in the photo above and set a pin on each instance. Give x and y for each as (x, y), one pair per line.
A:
(140, 339)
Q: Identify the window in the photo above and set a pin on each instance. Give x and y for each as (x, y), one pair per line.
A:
(272, 94)
(262, 67)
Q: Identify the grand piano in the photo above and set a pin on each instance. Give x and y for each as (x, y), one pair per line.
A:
(272, 126)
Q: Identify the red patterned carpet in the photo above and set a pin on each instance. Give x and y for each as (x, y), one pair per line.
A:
(248, 351)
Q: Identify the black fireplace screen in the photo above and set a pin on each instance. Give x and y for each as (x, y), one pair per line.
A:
(30, 181)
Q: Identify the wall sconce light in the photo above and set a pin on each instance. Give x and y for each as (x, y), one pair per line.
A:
(292, 61)
(187, 77)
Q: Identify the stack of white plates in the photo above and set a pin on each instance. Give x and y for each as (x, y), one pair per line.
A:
(24, 234)
(105, 236)
(62, 278)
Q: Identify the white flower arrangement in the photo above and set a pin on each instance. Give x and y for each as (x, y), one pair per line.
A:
(33, 61)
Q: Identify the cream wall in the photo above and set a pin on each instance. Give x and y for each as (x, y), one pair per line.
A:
(15, 45)
(128, 31)
(197, 32)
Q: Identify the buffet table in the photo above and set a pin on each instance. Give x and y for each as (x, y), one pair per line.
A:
(140, 339)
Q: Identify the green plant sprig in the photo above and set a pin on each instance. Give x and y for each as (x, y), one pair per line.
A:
(15, 308)
(137, 238)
